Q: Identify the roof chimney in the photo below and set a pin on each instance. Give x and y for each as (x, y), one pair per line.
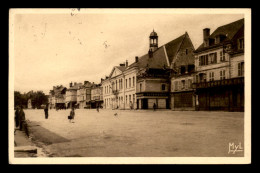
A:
(126, 63)
(75, 83)
(85, 82)
(206, 33)
(136, 59)
(71, 84)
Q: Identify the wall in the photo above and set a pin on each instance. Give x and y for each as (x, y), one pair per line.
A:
(234, 65)
(216, 68)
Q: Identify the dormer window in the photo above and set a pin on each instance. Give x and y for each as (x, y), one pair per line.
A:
(186, 52)
(241, 43)
(217, 39)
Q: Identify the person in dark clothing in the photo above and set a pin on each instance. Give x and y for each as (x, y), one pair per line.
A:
(17, 117)
(97, 108)
(72, 115)
(154, 106)
(46, 112)
(21, 117)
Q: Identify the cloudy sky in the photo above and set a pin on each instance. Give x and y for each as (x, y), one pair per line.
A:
(55, 49)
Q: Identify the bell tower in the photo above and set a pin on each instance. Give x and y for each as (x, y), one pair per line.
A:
(153, 39)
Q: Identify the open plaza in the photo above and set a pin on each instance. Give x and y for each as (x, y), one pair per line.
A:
(137, 133)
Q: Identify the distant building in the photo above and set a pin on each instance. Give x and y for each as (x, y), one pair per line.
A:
(71, 95)
(84, 95)
(219, 65)
(57, 97)
(96, 96)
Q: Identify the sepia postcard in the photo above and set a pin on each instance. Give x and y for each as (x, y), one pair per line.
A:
(129, 86)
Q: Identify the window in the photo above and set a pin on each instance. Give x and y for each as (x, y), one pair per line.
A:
(163, 87)
(126, 83)
(213, 58)
(186, 84)
(133, 81)
(175, 85)
(222, 56)
(186, 52)
(241, 69)
(202, 77)
(222, 74)
(241, 43)
(203, 60)
(133, 98)
(182, 84)
(140, 87)
(129, 98)
(190, 83)
(129, 82)
(211, 76)
(197, 78)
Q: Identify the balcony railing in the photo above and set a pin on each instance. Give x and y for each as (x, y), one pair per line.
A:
(232, 81)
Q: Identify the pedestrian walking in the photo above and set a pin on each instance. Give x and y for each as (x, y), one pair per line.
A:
(17, 123)
(46, 112)
(21, 118)
(97, 108)
(154, 107)
(72, 115)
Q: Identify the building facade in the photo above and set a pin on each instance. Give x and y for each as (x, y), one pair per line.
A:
(219, 65)
(57, 97)
(71, 95)
(183, 68)
(147, 80)
(84, 95)
(96, 96)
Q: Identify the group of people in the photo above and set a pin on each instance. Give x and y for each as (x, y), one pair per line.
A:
(19, 117)
(70, 117)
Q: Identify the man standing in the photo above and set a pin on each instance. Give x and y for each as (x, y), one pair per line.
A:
(21, 117)
(97, 108)
(17, 117)
(154, 107)
(46, 112)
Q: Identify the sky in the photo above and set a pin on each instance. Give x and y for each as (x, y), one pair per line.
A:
(75, 46)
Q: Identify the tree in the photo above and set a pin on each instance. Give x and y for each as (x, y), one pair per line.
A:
(38, 98)
(20, 99)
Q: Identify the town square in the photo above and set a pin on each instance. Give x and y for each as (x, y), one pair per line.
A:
(134, 133)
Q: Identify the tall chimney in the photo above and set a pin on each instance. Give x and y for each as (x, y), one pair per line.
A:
(126, 63)
(206, 33)
(136, 59)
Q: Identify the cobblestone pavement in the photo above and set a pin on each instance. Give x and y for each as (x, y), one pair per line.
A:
(137, 133)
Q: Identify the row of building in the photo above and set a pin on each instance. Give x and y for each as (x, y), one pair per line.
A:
(78, 95)
(173, 76)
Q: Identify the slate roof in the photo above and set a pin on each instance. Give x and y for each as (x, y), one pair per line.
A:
(229, 30)
(121, 68)
(173, 46)
(159, 58)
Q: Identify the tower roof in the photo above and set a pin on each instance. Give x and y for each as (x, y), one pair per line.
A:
(153, 34)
